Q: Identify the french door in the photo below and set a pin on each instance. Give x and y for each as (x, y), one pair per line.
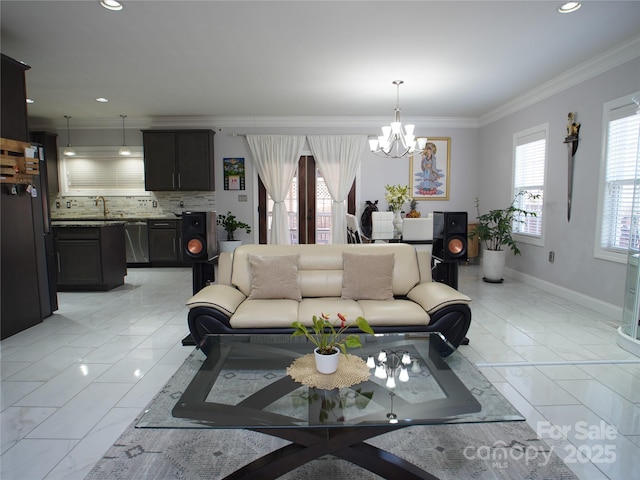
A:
(308, 206)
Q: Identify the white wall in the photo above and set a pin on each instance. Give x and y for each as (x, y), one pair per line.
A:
(481, 162)
(575, 267)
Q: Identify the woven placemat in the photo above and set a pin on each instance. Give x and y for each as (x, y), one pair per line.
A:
(351, 371)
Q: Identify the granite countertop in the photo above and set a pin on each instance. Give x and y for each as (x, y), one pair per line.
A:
(86, 223)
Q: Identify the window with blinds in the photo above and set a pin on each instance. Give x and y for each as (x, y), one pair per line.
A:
(101, 171)
(529, 165)
(619, 201)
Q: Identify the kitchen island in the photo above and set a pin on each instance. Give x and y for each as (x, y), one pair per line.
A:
(89, 255)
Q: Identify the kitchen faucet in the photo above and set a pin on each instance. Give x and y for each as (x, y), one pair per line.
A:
(104, 206)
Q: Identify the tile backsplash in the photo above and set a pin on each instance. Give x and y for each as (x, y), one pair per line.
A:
(157, 205)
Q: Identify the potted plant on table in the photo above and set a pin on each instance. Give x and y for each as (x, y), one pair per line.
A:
(495, 230)
(396, 197)
(329, 339)
(230, 224)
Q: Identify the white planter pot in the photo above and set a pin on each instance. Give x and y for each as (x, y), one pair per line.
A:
(493, 265)
(327, 363)
(229, 245)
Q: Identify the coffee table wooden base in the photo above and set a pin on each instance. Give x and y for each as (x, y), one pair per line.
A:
(346, 443)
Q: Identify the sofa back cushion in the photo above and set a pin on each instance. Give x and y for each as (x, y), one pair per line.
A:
(320, 267)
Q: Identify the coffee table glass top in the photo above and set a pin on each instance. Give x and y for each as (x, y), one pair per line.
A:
(243, 384)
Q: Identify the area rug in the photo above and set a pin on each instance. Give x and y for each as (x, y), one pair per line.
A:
(503, 450)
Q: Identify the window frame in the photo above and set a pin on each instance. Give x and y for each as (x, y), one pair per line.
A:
(543, 129)
(95, 154)
(607, 110)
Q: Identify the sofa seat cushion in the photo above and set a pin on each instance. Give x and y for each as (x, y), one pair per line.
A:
(398, 312)
(330, 306)
(272, 313)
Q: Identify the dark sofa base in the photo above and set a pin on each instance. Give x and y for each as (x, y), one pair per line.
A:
(452, 322)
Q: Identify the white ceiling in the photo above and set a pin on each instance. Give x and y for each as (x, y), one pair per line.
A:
(459, 59)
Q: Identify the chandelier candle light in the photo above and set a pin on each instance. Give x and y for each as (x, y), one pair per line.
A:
(391, 364)
(396, 141)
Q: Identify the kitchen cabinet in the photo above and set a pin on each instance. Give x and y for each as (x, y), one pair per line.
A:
(90, 256)
(178, 159)
(165, 242)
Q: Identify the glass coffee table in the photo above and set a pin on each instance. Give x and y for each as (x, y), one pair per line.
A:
(243, 383)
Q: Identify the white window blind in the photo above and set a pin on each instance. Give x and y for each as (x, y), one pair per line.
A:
(100, 170)
(530, 158)
(621, 206)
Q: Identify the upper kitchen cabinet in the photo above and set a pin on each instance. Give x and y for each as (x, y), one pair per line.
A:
(178, 159)
(13, 122)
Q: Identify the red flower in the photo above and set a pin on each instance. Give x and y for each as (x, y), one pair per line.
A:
(343, 319)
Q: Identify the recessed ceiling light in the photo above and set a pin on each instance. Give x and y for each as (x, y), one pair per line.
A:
(29, 100)
(111, 5)
(569, 7)
(102, 100)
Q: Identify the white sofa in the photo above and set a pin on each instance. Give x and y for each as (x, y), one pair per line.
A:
(264, 288)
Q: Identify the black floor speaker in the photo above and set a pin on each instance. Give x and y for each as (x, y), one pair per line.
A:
(199, 242)
(450, 242)
(445, 272)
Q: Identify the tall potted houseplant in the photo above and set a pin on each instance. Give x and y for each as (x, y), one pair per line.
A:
(230, 224)
(495, 231)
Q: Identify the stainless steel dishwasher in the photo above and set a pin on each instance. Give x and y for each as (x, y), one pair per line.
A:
(137, 242)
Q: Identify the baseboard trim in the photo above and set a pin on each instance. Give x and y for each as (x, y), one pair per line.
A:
(599, 306)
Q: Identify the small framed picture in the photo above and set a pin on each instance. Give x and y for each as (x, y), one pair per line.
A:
(233, 173)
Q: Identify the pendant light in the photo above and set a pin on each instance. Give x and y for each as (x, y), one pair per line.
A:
(397, 141)
(68, 151)
(124, 150)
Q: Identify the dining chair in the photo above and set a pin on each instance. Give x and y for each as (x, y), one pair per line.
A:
(354, 235)
(382, 226)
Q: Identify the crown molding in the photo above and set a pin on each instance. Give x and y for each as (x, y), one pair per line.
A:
(604, 62)
(623, 53)
(361, 124)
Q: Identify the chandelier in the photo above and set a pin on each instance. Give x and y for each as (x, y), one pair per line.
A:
(391, 364)
(396, 141)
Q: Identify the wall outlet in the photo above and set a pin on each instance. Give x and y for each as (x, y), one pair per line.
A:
(242, 198)
(68, 204)
(155, 204)
(552, 257)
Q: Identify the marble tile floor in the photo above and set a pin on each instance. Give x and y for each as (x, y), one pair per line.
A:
(71, 385)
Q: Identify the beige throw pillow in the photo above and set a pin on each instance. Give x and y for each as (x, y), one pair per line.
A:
(367, 277)
(274, 276)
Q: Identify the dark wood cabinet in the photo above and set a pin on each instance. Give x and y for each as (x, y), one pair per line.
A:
(178, 160)
(165, 242)
(13, 96)
(91, 257)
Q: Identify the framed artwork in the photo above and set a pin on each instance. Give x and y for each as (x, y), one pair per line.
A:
(429, 170)
(233, 173)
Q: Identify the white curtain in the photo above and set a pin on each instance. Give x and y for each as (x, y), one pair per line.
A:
(338, 158)
(276, 158)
